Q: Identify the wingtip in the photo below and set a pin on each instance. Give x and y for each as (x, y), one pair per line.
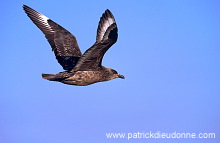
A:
(109, 14)
(108, 11)
(24, 5)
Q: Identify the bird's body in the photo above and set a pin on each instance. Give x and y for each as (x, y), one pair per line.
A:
(83, 78)
(80, 69)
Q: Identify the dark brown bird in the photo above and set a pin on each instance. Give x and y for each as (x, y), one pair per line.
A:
(79, 69)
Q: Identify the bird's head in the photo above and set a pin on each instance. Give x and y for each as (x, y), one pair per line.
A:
(116, 75)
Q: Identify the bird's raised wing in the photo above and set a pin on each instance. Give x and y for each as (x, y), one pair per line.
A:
(63, 43)
(107, 34)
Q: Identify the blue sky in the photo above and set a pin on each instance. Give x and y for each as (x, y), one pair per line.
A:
(167, 50)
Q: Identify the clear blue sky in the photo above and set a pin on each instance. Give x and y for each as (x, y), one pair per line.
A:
(168, 50)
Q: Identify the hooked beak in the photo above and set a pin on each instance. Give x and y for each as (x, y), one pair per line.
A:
(121, 76)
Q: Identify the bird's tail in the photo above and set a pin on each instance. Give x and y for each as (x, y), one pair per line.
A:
(52, 77)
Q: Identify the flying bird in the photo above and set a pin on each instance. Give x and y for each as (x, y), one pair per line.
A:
(80, 69)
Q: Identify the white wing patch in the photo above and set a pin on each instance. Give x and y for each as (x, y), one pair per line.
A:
(44, 20)
(44, 17)
(105, 26)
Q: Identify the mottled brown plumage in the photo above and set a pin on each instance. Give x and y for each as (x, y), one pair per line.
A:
(80, 69)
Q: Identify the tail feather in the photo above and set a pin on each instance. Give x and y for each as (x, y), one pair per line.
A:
(52, 77)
